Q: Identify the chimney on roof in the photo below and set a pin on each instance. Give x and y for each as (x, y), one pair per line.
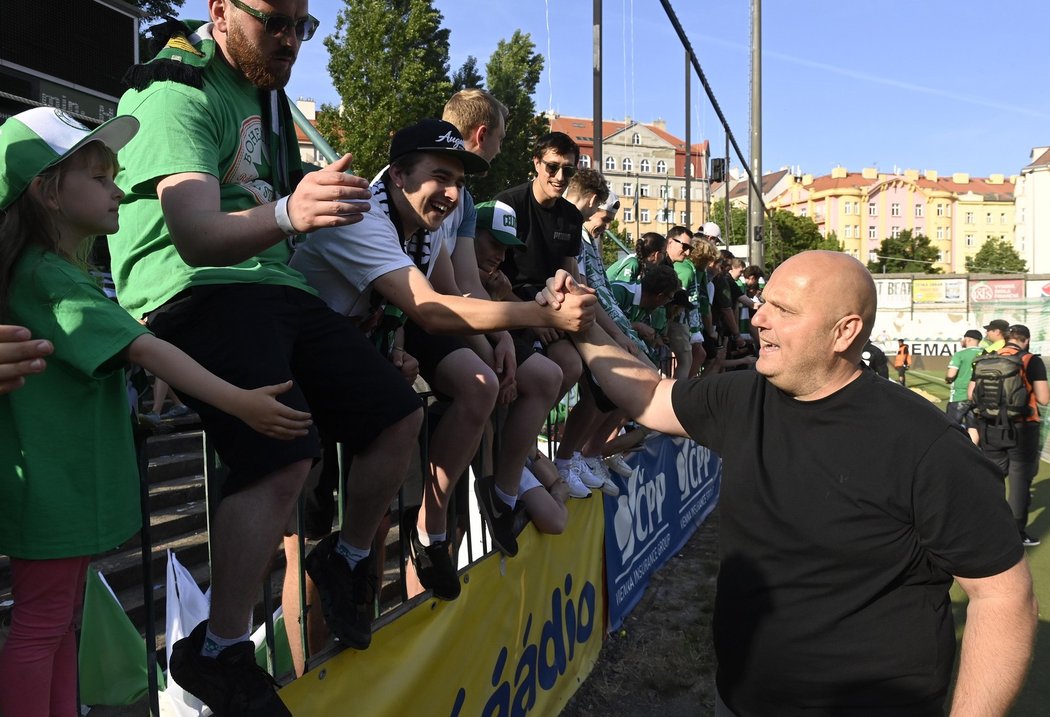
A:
(660, 123)
(996, 179)
(838, 172)
(911, 174)
(931, 174)
(961, 178)
(869, 173)
(308, 107)
(807, 179)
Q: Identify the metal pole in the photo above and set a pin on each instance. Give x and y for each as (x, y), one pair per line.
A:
(756, 247)
(597, 85)
(688, 145)
(726, 233)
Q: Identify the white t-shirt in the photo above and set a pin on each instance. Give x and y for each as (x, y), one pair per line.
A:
(342, 262)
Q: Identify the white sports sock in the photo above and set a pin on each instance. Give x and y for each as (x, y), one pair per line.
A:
(213, 644)
(351, 554)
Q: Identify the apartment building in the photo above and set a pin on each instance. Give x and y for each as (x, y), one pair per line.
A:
(646, 165)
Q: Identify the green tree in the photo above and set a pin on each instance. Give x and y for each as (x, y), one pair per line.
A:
(467, 77)
(789, 234)
(996, 256)
(511, 75)
(907, 254)
(831, 243)
(156, 9)
(389, 62)
(736, 235)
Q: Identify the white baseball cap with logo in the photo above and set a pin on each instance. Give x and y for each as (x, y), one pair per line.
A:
(499, 220)
(37, 139)
(711, 230)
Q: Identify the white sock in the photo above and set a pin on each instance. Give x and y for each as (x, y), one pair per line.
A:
(562, 462)
(351, 554)
(213, 644)
(428, 539)
(510, 500)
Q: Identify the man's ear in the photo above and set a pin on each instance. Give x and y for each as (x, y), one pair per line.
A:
(397, 177)
(217, 11)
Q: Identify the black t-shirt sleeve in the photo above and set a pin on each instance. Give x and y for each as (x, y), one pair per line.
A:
(1036, 370)
(961, 517)
(706, 408)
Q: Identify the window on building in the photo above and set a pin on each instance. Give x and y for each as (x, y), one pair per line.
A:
(847, 208)
(585, 160)
(940, 232)
(643, 190)
(940, 209)
(628, 214)
(628, 189)
(643, 215)
(627, 165)
(970, 240)
(682, 218)
(643, 166)
(666, 216)
(803, 211)
(665, 191)
(873, 209)
(895, 232)
(847, 231)
(988, 218)
(873, 256)
(661, 167)
(872, 233)
(610, 163)
(1002, 217)
(895, 210)
(969, 217)
(682, 194)
(918, 210)
(636, 138)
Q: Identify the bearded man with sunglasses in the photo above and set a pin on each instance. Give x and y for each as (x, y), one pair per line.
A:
(216, 198)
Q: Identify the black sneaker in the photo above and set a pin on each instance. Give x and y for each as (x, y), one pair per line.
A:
(1028, 541)
(433, 563)
(499, 517)
(232, 683)
(348, 597)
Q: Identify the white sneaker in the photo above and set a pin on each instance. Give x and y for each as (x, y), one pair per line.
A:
(610, 488)
(618, 465)
(596, 466)
(589, 478)
(570, 473)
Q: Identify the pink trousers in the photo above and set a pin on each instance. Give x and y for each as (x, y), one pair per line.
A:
(38, 663)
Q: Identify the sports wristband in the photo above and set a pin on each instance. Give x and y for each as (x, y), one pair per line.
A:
(280, 215)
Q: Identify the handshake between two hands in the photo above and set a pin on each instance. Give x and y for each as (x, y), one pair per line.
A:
(573, 302)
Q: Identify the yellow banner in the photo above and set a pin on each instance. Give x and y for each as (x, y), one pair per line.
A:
(522, 636)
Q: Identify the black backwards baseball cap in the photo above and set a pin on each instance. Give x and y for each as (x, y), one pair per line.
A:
(973, 334)
(437, 137)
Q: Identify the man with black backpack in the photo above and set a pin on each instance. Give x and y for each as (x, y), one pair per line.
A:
(1005, 388)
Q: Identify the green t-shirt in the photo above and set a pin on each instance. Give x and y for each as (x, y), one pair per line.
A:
(963, 361)
(686, 271)
(68, 477)
(218, 131)
(627, 297)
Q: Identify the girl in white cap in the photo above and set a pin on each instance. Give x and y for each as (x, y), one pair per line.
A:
(68, 475)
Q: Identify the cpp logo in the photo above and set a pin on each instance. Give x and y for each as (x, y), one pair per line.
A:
(640, 511)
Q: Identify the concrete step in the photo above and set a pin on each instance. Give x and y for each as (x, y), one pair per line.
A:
(182, 441)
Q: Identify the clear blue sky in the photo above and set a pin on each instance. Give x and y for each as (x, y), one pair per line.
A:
(922, 84)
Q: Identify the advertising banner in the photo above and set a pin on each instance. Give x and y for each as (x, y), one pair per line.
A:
(996, 290)
(893, 293)
(673, 488)
(521, 637)
(946, 292)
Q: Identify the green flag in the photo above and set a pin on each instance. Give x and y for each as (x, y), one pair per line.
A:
(112, 653)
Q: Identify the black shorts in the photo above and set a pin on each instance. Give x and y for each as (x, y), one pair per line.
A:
(257, 335)
(603, 402)
(430, 349)
(525, 346)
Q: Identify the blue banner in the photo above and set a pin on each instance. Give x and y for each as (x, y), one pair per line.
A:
(672, 489)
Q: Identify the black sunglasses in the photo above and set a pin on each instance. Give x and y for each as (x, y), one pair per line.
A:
(277, 25)
(566, 169)
(685, 247)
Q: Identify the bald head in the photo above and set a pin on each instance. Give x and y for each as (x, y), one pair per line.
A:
(841, 286)
(818, 312)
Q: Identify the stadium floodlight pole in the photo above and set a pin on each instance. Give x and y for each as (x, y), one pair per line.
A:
(688, 144)
(756, 247)
(596, 113)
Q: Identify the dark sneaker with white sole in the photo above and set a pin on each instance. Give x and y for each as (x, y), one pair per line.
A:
(232, 684)
(433, 563)
(348, 597)
(499, 517)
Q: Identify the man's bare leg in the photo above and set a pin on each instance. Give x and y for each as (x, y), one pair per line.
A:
(539, 380)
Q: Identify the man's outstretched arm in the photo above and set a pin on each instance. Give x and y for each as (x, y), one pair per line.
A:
(997, 642)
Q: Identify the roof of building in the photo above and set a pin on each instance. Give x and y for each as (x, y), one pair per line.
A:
(1042, 160)
(581, 130)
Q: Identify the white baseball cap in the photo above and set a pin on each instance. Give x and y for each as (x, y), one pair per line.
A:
(37, 139)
